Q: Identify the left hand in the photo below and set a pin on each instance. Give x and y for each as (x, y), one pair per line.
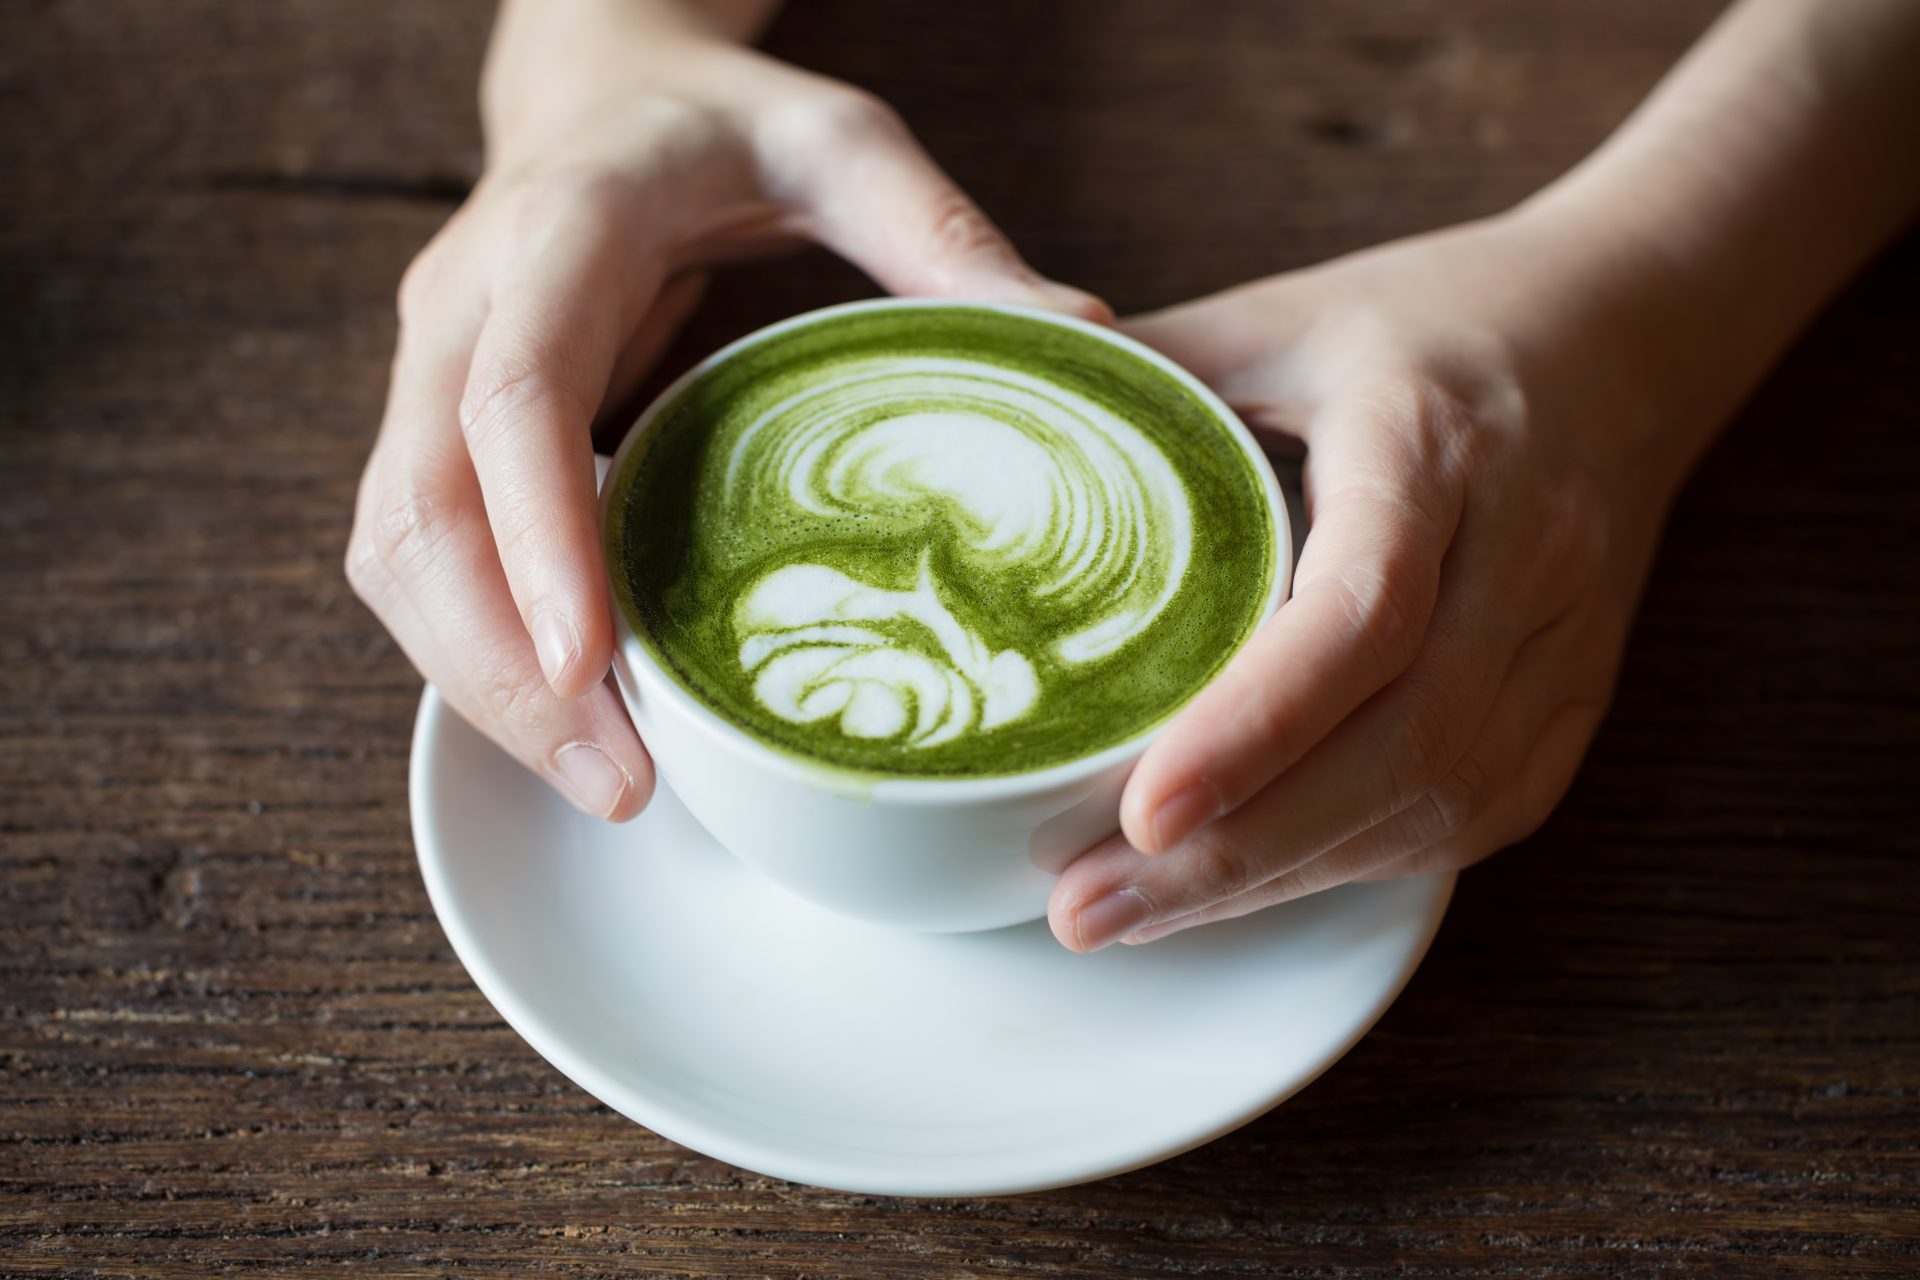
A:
(1488, 467)
(628, 151)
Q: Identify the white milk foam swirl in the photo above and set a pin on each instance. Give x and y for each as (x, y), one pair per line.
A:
(1030, 477)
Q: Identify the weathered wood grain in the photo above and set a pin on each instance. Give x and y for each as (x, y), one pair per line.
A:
(1677, 1034)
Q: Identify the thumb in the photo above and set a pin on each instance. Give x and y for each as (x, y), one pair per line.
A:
(1250, 344)
(879, 201)
(1224, 337)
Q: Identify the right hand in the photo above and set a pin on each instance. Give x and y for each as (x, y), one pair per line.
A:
(614, 175)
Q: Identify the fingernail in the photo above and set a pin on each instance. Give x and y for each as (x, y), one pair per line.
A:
(1184, 812)
(591, 777)
(1108, 919)
(1060, 297)
(555, 644)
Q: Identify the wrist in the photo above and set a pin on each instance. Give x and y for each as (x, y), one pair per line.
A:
(1617, 327)
(1717, 222)
(556, 66)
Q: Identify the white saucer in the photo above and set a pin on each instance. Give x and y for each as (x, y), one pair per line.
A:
(696, 998)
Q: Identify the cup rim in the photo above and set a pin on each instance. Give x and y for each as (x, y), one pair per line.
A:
(659, 682)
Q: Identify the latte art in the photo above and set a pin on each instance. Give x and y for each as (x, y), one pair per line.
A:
(1022, 481)
(941, 539)
(912, 671)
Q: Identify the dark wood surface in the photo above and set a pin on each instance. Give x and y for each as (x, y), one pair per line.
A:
(1673, 1035)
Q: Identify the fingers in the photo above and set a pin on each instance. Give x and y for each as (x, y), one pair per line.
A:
(422, 556)
(462, 630)
(404, 498)
(1386, 509)
(1500, 790)
(1395, 758)
(1521, 806)
(539, 373)
(1389, 758)
(1227, 335)
(875, 197)
(1541, 776)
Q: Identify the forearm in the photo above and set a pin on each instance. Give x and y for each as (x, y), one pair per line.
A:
(547, 56)
(1773, 162)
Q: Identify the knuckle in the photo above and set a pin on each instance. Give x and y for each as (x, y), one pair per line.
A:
(1568, 546)
(1500, 400)
(1213, 873)
(826, 121)
(407, 533)
(1449, 805)
(836, 115)
(505, 394)
(560, 198)
(1429, 820)
(1464, 391)
(423, 281)
(1392, 395)
(1406, 394)
(1276, 724)
(1575, 532)
(1446, 430)
(366, 575)
(1387, 606)
(1413, 747)
(526, 532)
(511, 697)
(1437, 435)
(956, 229)
(569, 203)
(1311, 877)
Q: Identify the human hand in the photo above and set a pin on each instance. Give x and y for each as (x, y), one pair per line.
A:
(621, 162)
(1487, 471)
(1496, 419)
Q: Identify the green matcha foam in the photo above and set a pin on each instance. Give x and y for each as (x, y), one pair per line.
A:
(940, 541)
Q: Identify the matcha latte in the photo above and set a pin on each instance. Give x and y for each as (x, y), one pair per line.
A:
(940, 540)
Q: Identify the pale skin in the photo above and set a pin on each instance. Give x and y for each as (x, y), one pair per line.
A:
(1496, 418)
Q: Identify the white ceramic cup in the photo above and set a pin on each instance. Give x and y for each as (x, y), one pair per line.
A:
(932, 854)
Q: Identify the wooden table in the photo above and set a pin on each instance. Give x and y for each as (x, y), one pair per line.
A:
(1676, 1034)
